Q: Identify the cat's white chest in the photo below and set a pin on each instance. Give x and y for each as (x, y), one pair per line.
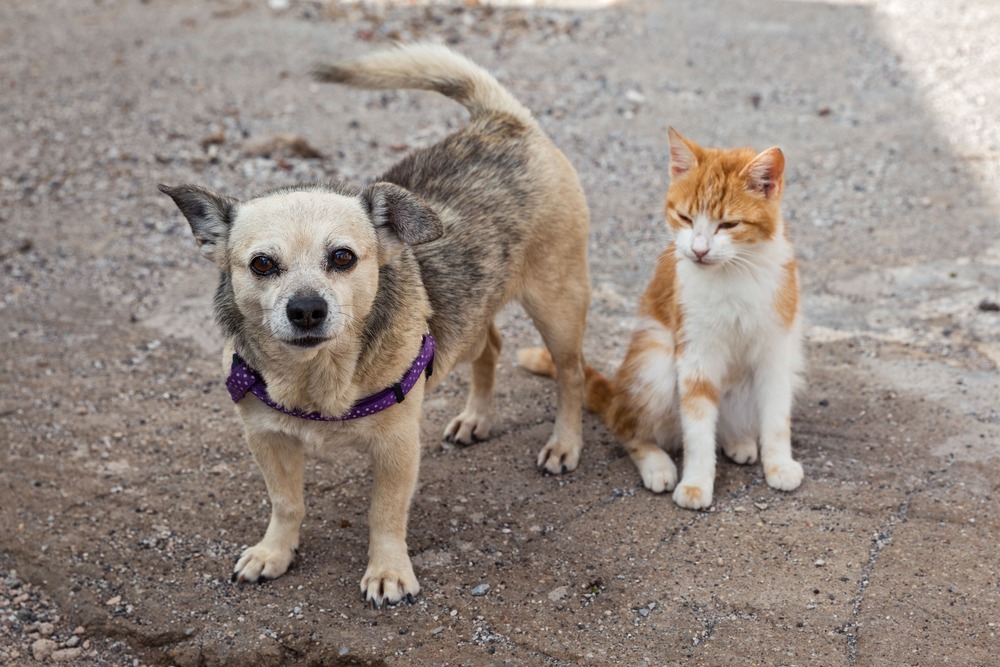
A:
(728, 316)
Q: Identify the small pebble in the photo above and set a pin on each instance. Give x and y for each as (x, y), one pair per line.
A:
(66, 654)
(481, 590)
(643, 612)
(988, 306)
(559, 593)
(41, 649)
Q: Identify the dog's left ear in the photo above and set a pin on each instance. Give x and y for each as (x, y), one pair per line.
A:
(400, 217)
(209, 214)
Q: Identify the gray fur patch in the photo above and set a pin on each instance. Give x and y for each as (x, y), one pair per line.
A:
(209, 213)
(402, 212)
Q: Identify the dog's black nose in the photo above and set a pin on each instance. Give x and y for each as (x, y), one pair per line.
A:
(306, 312)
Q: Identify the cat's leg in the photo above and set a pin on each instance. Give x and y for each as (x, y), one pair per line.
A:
(699, 408)
(657, 469)
(473, 423)
(642, 414)
(773, 386)
(738, 427)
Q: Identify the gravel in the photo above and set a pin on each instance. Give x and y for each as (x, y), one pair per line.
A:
(127, 491)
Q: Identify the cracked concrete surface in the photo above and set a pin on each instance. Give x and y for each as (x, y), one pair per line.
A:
(126, 492)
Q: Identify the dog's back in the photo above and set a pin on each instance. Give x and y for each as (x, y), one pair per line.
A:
(509, 199)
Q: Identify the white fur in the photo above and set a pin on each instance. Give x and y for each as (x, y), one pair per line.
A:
(735, 339)
(654, 386)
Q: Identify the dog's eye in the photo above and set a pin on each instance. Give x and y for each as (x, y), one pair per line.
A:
(728, 225)
(263, 265)
(342, 259)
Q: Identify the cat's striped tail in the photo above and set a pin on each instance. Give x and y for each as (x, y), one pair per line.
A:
(598, 388)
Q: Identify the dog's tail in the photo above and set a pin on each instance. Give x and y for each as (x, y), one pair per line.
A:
(598, 388)
(425, 66)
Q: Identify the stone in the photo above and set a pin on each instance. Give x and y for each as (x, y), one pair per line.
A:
(42, 649)
(66, 654)
(559, 593)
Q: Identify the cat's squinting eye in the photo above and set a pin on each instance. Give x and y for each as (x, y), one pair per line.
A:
(686, 220)
(728, 225)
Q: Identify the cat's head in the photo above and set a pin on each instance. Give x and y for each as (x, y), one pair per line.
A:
(723, 204)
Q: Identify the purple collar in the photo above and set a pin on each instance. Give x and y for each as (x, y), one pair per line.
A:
(242, 379)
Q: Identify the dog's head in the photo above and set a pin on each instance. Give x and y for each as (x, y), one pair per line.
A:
(300, 267)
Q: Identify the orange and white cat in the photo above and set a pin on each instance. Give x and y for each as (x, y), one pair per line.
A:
(716, 355)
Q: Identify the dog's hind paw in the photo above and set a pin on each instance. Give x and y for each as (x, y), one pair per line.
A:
(261, 562)
(467, 428)
(557, 458)
(389, 585)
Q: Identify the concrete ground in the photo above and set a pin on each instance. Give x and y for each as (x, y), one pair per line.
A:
(126, 491)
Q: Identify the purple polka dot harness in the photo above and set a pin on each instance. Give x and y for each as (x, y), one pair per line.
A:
(242, 379)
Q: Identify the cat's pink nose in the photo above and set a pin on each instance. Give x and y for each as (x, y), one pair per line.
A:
(699, 247)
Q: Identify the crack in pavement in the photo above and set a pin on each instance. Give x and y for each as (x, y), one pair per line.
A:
(880, 541)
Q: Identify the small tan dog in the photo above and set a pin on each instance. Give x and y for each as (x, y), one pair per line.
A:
(327, 294)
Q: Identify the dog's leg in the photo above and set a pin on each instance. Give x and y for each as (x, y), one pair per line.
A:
(560, 314)
(473, 423)
(280, 458)
(395, 463)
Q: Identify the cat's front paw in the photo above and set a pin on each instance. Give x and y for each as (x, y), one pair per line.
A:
(742, 450)
(693, 496)
(784, 475)
(658, 471)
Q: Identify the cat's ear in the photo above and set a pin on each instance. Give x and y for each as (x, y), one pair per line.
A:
(683, 155)
(765, 174)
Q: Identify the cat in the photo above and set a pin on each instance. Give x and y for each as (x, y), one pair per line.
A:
(716, 355)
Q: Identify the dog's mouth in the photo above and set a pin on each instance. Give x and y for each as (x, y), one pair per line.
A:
(306, 341)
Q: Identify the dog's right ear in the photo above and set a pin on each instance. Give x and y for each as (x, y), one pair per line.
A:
(209, 214)
(400, 217)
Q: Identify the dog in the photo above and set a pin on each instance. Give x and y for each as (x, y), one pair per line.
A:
(330, 294)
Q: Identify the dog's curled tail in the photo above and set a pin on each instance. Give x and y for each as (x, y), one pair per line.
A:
(425, 66)
(598, 388)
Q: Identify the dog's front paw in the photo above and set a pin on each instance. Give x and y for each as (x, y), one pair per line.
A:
(693, 495)
(261, 562)
(558, 457)
(467, 428)
(388, 585)
(785, 475)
